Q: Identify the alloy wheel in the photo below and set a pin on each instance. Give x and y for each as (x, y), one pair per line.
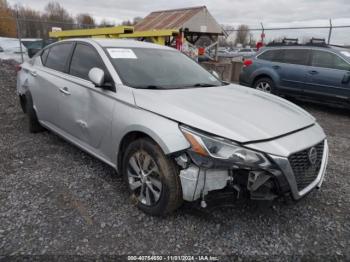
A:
(144, 178)
(264, 86)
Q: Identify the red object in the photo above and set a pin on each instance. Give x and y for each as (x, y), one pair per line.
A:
(18, 68)
(179, 42)
(259, 45)
(201, 51)
(247, 62)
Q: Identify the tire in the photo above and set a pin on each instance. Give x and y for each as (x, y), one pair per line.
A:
(163, 183)
(22, 102)
(265, 84)
(33, 123)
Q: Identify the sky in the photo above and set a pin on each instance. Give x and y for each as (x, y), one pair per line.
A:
(272, 13)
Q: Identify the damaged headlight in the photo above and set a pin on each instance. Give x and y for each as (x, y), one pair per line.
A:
(223, 149)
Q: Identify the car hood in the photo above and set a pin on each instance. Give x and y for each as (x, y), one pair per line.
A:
(238, 113)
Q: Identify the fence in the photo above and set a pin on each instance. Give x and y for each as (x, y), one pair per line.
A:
(302, 32)
(334, 34)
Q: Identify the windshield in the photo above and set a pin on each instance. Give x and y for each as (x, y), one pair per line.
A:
(159, 69)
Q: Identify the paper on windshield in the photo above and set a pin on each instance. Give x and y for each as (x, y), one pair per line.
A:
(346, 53)
(121, 53)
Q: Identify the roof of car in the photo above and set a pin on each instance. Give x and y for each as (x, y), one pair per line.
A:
(120, 43)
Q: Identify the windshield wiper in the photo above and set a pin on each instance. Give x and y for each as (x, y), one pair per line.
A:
(202, 85)
(150, 87)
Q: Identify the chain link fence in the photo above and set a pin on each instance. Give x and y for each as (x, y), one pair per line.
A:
(24, 28)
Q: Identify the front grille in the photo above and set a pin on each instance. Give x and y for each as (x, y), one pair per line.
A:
(304, 171)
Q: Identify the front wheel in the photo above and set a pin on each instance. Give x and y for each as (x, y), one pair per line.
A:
(265, 84)
(152, 178)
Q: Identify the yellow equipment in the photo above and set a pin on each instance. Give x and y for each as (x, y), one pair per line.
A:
(155, 36)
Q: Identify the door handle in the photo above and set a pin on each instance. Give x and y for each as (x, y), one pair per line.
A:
(65, 91)
(276, 67)
(33, 73)
(313, 72)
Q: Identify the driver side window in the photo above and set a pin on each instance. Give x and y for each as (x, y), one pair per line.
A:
(84, 59)
(328, 60)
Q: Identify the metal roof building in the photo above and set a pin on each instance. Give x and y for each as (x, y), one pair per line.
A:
(193, 19)
(193, 24)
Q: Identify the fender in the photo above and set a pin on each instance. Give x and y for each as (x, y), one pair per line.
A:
(167, 134)
(268, 72)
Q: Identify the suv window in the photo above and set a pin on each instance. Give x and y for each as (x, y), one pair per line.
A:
(272, 55)
(328, 60)
(58, 56)
(44, 55)
(84, 58)
(296, 56)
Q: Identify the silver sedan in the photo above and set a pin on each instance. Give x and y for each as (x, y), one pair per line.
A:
(172, 129)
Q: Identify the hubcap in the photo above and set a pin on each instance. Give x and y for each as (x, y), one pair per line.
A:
(264, 86)
(144, 178)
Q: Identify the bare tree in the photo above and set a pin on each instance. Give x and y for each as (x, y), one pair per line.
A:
(85, 20)
(242, 35)
(106, 23)
(30, 22)
(58, 16)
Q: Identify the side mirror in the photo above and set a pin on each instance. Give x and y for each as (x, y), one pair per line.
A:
(97, 76)
(1, 50)
(214, 73)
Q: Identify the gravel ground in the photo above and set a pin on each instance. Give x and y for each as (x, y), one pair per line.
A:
(57, 200)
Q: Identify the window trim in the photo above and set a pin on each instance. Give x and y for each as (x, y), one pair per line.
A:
(41, 55)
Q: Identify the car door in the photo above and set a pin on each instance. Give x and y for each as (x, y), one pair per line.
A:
(45, 81)
(86, 111)
(328, 77)
(293, 70)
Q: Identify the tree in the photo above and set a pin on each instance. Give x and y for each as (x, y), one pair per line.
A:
(29, 22)
(7, 20)
(57, 16)
(106, 23)
(132, 22)
(242, 35)
(85, 20)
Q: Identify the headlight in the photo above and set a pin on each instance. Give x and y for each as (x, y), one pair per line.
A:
(224, 149)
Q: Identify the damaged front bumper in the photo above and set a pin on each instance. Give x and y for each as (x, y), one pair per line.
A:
(198, 178)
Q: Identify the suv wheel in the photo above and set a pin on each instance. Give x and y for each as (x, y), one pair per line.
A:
(265, 84)
(152, 178)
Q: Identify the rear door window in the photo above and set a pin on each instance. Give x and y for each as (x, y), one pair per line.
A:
(272, 55)
(296, 56)
(58, 56)
(85, 58)
(328, 60)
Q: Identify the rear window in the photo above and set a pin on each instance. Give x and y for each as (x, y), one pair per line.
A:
(289, 56)
(272, 55)
(58, 56)
(296, 56)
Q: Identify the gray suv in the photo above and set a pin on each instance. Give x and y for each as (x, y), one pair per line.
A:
(172, 129)
(316, 72)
